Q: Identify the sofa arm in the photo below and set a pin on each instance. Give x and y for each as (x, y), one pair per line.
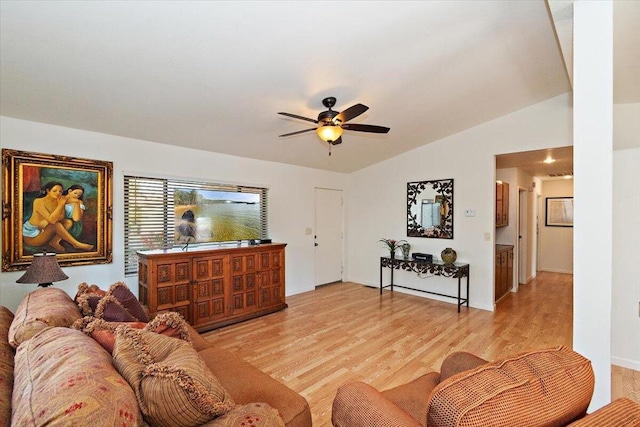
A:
(197, 341)
(619, 413)
(457, 362)
(359, 405)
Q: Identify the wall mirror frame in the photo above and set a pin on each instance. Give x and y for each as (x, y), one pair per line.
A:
(430, 209)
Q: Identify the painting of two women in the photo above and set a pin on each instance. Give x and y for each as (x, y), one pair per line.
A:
(59, 210)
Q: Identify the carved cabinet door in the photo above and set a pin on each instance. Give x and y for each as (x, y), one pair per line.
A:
(209, 289)
(271, 278)
(172, 278)
(244, 283)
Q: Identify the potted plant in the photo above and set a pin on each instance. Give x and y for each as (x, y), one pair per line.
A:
(392, 245)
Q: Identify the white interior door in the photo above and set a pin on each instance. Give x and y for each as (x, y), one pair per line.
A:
(328, 236)
(523, 236)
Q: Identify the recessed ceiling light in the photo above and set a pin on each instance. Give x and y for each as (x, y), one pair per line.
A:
(549, 160)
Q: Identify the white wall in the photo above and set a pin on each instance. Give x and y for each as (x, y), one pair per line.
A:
(555, 252)
(291, 190)
(626, 126)
(625, 319)
(377, 196)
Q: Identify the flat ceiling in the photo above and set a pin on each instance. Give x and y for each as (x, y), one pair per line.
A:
(212, 75)
(535, 164)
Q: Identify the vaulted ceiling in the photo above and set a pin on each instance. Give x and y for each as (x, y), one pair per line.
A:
(212, 75)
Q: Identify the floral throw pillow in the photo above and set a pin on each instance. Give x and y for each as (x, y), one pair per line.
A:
(40, 309)
(62, 377)
(249, 415)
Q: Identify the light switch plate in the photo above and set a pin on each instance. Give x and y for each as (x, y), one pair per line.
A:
(470, 212)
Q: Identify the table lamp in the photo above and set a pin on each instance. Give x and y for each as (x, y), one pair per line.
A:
(44, 270)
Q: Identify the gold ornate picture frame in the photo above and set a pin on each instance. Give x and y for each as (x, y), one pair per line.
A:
(53, 203)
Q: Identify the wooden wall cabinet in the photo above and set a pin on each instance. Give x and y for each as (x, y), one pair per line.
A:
(502, 204)
(214, 287)
(504, 270)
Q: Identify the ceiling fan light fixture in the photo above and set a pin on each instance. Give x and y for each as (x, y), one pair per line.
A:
(329, 133)
(332, 123)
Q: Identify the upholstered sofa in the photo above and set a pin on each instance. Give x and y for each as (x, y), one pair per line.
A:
(54, 370)
(548, 387)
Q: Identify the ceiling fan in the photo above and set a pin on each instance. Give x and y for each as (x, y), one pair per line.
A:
(332, 123)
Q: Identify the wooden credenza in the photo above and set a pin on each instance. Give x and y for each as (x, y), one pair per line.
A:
(504, 270)
(214, 287)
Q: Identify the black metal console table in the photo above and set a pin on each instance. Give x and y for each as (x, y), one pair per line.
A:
(456, 270)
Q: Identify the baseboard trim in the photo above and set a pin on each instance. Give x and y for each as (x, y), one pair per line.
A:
(626, 363)
(330, 283)
(556, 270)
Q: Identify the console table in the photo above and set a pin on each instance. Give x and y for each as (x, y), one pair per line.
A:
(456, 270)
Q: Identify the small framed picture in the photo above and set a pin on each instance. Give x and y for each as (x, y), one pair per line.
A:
(559, 212)
(53, 203)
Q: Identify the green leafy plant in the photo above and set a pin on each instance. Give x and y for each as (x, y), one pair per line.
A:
(392, 244)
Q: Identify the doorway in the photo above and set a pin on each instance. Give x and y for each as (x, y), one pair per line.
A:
(328, 237)
(526, 171)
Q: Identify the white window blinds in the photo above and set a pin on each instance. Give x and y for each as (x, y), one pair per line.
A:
(150, 213)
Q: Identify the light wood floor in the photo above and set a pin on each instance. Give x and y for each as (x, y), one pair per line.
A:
(346, 332)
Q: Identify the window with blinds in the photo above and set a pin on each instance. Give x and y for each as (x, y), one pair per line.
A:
(160, 213)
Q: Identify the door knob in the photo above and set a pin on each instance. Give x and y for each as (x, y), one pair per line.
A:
(315, 244)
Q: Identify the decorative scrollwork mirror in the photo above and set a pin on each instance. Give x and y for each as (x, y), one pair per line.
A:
(430, 209)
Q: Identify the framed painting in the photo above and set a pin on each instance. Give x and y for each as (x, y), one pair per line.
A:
(559, 212)
(53, 203)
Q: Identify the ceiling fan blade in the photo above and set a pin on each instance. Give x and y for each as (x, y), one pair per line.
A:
(337, 141)
(295, 116)
(350, 113)
(298, 132)
(365, 128)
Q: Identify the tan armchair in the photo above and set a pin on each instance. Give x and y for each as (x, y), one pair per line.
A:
(550, 387)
